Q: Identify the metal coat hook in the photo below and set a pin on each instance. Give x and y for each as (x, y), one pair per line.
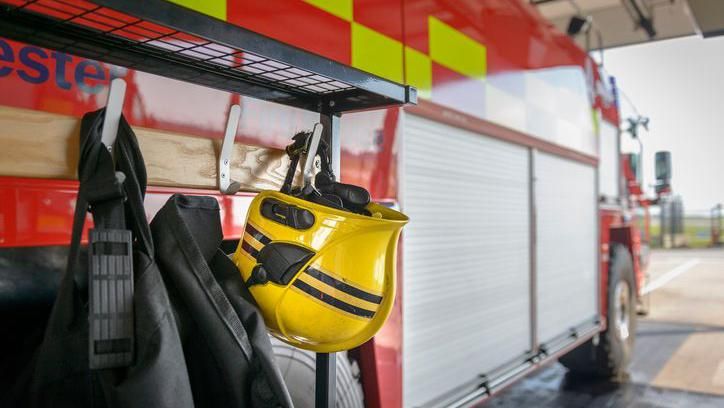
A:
(226, 184)
(114, 110)
(312, 147)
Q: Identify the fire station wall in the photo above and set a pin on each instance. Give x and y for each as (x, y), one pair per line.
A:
(566, 279)
(466, 254)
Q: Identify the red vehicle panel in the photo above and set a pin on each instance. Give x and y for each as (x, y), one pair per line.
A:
(521, 50)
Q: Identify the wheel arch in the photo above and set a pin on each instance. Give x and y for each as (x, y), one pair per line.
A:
(627, 236)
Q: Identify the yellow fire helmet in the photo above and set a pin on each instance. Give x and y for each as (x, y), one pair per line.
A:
(320, 261)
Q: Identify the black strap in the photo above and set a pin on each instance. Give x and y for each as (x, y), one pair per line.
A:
(130, 161)
(323, 152)
(295, 151)
(113, 193)
(289, 179)
(100, 190)
(327, 191)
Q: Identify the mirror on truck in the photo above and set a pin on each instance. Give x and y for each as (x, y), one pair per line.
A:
(634, 162)
(663, 171)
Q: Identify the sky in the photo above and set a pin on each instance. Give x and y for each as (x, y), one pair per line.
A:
(679, 85)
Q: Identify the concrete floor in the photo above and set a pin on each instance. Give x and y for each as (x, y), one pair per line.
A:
(679, 355)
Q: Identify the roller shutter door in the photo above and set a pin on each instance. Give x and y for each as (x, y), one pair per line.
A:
(466, 272)
(565, 196)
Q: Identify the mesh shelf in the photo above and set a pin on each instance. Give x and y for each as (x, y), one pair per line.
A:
(165, 39)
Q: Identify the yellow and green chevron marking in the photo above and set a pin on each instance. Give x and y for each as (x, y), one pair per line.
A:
(387, 57)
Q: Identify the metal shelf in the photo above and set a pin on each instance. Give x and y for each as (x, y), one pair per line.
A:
(169, 40)
(165, 39)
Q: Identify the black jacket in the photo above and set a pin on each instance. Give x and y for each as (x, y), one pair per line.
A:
(227, 348)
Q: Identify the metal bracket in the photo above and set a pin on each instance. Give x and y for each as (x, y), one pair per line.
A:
(485, 384)
(226, 184)
(312, 147)
(114, 110)
(331, 136)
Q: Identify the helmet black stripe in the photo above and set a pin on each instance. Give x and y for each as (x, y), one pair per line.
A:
(249, 249)
(332, 301)
(343, 287)
(257, 234)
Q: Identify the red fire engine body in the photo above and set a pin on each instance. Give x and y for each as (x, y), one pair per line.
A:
(511, 152)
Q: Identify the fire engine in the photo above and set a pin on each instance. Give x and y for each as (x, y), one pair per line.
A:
(522, 248)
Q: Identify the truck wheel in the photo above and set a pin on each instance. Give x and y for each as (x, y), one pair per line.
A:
(643, 304)
(297, 367)
(610, 357)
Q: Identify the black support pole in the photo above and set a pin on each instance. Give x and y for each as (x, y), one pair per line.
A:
(331, 123)
(325, 384)
(326, 370)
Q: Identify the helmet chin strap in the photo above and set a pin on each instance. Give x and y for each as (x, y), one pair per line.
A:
(322, 188)
(309, 144)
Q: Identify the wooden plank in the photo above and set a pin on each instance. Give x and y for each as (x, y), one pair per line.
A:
(44, 145)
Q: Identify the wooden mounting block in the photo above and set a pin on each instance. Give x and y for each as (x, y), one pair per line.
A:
(44, 145)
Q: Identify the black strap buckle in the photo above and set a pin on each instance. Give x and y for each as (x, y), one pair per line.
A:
(287, 214)
(110, 303)
(99, 190)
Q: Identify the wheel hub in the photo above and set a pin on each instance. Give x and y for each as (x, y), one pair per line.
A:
(622, 294)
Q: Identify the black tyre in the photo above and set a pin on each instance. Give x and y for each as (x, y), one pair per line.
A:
(297, 367)
(643, 304)
(611, 356)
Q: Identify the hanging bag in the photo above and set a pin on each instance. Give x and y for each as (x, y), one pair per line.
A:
(148, 369)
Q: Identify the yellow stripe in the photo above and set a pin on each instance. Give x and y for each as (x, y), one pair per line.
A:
(327, 305)
(213, 8)
(342, 279)
(328, 290)
(341, 8)
(418, 72)
(253, 242)
(266, 234)
(456, 51)
(246, 254)
(376, 53)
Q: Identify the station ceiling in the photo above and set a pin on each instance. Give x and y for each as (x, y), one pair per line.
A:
(615, 23)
